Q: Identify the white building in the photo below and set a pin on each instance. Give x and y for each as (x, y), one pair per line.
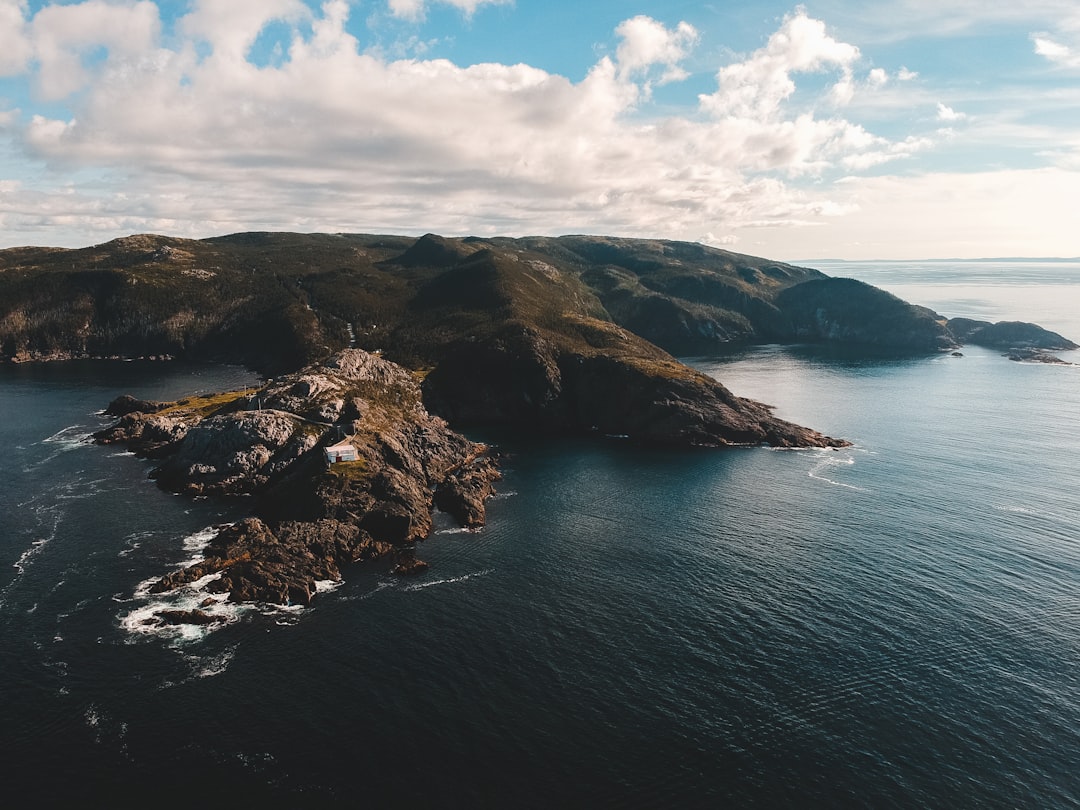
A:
(340, 452)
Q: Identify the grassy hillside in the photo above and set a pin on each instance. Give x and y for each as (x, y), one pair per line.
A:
(276, 301)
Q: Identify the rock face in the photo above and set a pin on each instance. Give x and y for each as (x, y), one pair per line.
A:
(310, 517)
(236, 453)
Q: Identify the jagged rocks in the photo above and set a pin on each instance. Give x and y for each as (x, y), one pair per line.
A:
(310, 517)
(125, 404)
(145, 434)
(236, 453)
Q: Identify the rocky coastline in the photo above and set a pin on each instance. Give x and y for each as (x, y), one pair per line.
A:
(381, 342)
(314, 515)
(311, 518)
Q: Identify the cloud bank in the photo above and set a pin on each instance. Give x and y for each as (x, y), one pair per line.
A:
(175, 127)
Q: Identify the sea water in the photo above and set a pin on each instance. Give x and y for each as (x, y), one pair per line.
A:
(894, 624)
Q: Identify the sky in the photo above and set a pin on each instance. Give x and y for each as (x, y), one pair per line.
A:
(898, 129)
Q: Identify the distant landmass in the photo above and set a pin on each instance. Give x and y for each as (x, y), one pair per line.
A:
(371, 342)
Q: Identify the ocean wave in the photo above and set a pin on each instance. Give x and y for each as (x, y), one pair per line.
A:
(73, 437)
(823, 470)
(450, 581)
(49, 517)
(150, 619)
(134, 541)
(208, 666)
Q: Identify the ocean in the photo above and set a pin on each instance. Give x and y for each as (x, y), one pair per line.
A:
(895, 624)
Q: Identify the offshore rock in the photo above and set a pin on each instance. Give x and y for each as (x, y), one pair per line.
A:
(1008, 335)
(1030, 355)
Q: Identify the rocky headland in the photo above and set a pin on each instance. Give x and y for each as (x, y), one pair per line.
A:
(311, 517)
(314, 514)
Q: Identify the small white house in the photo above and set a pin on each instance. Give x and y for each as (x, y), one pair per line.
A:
(340, 452)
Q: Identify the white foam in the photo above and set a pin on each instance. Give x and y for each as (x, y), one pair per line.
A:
(327, 585)
(831, 462)
(197, 542)
(452, 580)
(70, 438)
(382, 585)
(1016, 510)
(72, 435)
(133, 542)
(211, 665)
(24, 558)
(144, 620)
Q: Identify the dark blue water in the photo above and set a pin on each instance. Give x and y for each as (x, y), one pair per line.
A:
(891, 625)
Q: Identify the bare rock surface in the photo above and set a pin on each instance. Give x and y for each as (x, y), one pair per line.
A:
(311, 517)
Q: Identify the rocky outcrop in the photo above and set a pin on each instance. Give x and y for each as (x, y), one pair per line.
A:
(1008, 335)
(125, 404)
(236, 453)
(1030, 355)
(152, 435)
(312, 518)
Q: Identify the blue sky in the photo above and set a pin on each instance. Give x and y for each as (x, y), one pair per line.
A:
(898, 129)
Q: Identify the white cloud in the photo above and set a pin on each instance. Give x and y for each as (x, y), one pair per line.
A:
(906, 75)
(65, 36)
(877, 78)
(756, 87)
(334, 137)
(415, 9)
(946, 113)
(896, 20)
(727, 240)
(646, 43)
(948, 214)
(1059, 54)
(15, 46)
(232, 26)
